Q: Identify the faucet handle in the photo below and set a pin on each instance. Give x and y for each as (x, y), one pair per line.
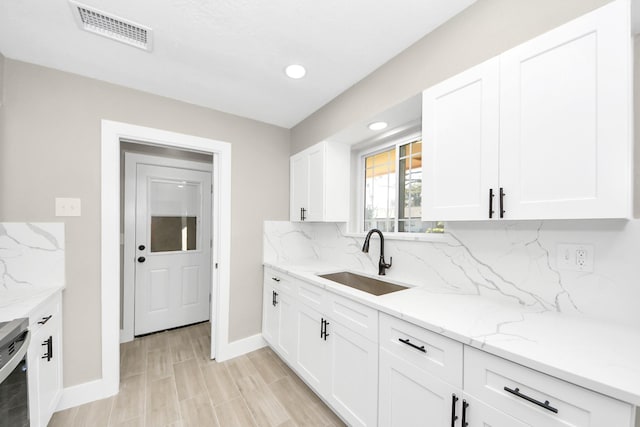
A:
(390, 262)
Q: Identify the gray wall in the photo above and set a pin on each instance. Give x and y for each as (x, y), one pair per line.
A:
(51, 148)
(486, 29)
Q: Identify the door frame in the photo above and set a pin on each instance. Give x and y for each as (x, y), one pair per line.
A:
(112, 134)
(131, 162)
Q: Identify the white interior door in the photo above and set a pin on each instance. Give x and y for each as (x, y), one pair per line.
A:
(173, 250)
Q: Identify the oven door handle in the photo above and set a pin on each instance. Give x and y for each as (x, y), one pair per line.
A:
(16, 359)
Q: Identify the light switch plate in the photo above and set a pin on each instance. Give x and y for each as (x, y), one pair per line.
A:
(66, 206)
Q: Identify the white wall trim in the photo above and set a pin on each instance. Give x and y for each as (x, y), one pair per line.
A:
(82, 393)
(112, 134)
(242, 346)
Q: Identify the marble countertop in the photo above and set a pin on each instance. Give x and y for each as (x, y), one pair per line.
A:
(595, 355)
(16, 303)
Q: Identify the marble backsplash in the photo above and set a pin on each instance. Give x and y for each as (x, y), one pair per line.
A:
(514, 261)
(31, 256)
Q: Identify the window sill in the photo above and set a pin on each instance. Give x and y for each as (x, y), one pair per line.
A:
(416, 237)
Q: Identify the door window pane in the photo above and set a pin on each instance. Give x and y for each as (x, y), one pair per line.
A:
(174, 211)
(173, 233)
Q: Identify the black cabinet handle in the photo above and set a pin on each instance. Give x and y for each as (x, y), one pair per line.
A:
(326, 322)
(465, 405)
(409, 343)
(454, 417)
(275, 279)
(321, 327)
(141, 259)
(544, 405)
(45, 319)
(491, 203)
(49, 354)
(141, 247)
(302, 214)
(502, 194)
(274, 299)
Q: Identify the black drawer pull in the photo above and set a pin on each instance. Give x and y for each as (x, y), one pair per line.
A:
(544, 405)
(409, 343)
(274, 300)
(464, 422)
(502, 194)
(275, 279)
(491, 212)
(49, 354)
(454, 417)
(45, 319)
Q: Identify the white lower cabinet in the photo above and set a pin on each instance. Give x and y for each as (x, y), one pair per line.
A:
(328, 340)
(44, 361)
(376, 369)
(278, 313)
(340, 364)
(411, 397)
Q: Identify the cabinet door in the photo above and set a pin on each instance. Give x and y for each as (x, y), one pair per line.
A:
(480, 414)
(354, 375)
(460, 144)
(312, 350)
(565, 103)
(409, 396)
(299, 186)
(286, 335)
(50, 368)
(270, 315)
(316, 195)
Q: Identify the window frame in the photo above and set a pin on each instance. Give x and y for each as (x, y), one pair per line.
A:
(360, 156)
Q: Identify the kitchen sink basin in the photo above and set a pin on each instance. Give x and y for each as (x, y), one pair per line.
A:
(363, 283)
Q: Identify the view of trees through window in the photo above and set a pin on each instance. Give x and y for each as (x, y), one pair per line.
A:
(393, 190)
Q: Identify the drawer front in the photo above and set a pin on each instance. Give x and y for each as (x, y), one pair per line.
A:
(442, 357)
(355, 316)
(536, 398)
(280, 281)
(45, 313)
(311, 295)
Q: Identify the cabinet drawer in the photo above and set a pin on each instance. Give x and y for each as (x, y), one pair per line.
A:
(536, 398)
(441, 357)
(280, 281)
(312, 295)
(355, 316)
(45, 313)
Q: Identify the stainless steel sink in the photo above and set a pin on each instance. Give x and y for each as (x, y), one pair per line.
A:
(363, 283)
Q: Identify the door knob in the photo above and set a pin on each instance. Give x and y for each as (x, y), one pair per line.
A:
(141, 247)
(141, 259)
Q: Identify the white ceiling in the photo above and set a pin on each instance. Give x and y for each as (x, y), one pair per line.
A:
(228, 55)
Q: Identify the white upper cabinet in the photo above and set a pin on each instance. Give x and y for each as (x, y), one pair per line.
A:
(460, 144)
(544, 127)
(319, 183)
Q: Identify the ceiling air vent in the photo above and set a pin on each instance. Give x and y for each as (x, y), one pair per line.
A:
(112, 26)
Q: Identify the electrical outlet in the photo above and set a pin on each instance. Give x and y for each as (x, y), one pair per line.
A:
(575, 257)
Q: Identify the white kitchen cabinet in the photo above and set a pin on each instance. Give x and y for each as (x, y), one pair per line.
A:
(410, 396)
(44, 360)
(537, 399)
(318, 183)
(339, 364)
(562, 106)
(278, 313)
(460, 144)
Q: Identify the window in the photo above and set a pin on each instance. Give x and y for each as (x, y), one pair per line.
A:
(393, 189)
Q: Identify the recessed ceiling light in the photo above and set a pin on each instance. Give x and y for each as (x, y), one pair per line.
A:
(377, 125)
(295, 71)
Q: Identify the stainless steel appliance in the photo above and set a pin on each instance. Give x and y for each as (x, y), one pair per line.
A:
(14, 397)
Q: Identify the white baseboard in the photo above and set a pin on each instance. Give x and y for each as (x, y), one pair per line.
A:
(240, 347)
(83, 393)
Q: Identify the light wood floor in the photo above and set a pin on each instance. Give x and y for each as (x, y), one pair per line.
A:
(167, 379)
